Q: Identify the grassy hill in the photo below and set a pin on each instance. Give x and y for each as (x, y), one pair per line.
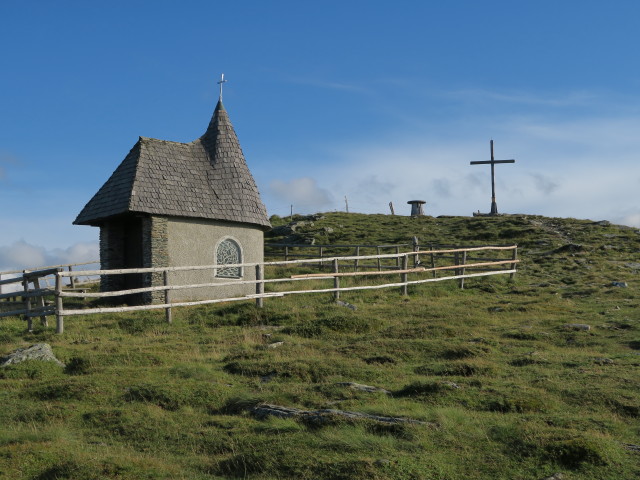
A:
(499, 384)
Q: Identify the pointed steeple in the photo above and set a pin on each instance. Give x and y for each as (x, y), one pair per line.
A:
(219, 122)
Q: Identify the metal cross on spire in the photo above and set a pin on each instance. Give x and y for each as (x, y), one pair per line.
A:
(492, 162)
(222, 80)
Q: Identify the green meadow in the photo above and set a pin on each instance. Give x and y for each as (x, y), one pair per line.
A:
(499, 382)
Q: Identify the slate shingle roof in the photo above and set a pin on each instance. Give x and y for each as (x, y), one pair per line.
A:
(207, 178)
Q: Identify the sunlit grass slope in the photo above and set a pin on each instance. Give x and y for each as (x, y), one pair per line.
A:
(506, 389)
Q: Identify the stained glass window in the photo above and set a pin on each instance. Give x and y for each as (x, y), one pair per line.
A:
(228, 252)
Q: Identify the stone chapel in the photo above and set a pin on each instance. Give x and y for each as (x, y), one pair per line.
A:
(172, 204)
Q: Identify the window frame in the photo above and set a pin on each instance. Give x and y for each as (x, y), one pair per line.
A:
(240, 252)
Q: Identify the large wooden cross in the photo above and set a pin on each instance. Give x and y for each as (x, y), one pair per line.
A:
(492, 162)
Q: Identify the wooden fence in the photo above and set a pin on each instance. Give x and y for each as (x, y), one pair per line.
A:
(457, 261)
(323, 252)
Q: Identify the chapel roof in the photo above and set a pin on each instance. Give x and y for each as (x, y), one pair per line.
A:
(207, 178)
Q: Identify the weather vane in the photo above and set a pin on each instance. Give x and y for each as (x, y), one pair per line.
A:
(222, 80)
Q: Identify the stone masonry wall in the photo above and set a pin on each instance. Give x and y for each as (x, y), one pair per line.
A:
(155, 248)
(111, 254)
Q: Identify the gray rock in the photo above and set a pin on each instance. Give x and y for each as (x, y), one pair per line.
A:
(275, 344)
(619, 284)
(282, 230)
(346, 305)
(364, 388)
(633, 265)
(40, 351)
(555, 476)
(451, 385)
(578, 326)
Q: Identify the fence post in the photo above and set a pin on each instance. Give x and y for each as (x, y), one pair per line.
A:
(514, 256)
(464, 261)
(404, 276)
(59, 317)
(259, 286)
(72, 279)
(286, 253)
(398, 257)
(167, 299)
(355, 263)
(40, 302)
(416, 248)
(378, 253)
(320, 251)
(27, 301)
(456, 262)
(336, 281)
(433, 261)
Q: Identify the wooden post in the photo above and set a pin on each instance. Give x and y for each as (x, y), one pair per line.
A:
(514, 256)
(40, 302)
(464, 261)
(398, 257)
(355, 262)
(416, 248)
(433, 260)
(259, 286)
(378, 253)
(167, 299)
(404, 276)
(456, 262)
(72, 280)
(59, 317)
(27, 301)
(321, 252)
(336, 281)
(286, 253)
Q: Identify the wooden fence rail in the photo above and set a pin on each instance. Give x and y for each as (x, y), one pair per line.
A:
(459, 266)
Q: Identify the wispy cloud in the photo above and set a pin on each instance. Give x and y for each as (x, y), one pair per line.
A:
(326, 84)
(6, 159)
(303, 193)
(544, 183)
(569, 99)
(21, 255)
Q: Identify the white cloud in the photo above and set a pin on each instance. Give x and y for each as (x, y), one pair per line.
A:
(633, 220)
(303, 193)
(21, 255)
(583, 168)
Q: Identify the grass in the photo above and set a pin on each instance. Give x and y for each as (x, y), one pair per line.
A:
(508, 391)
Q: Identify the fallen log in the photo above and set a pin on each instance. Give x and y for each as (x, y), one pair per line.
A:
(265, 410)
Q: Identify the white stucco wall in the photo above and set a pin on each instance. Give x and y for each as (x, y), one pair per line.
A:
(193, 242)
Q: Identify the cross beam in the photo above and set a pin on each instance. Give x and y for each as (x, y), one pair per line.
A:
(492, 162)
(222, 81)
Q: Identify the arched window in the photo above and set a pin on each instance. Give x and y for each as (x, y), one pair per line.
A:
(228, 252)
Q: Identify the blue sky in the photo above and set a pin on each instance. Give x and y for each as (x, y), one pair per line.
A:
(374, 100)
